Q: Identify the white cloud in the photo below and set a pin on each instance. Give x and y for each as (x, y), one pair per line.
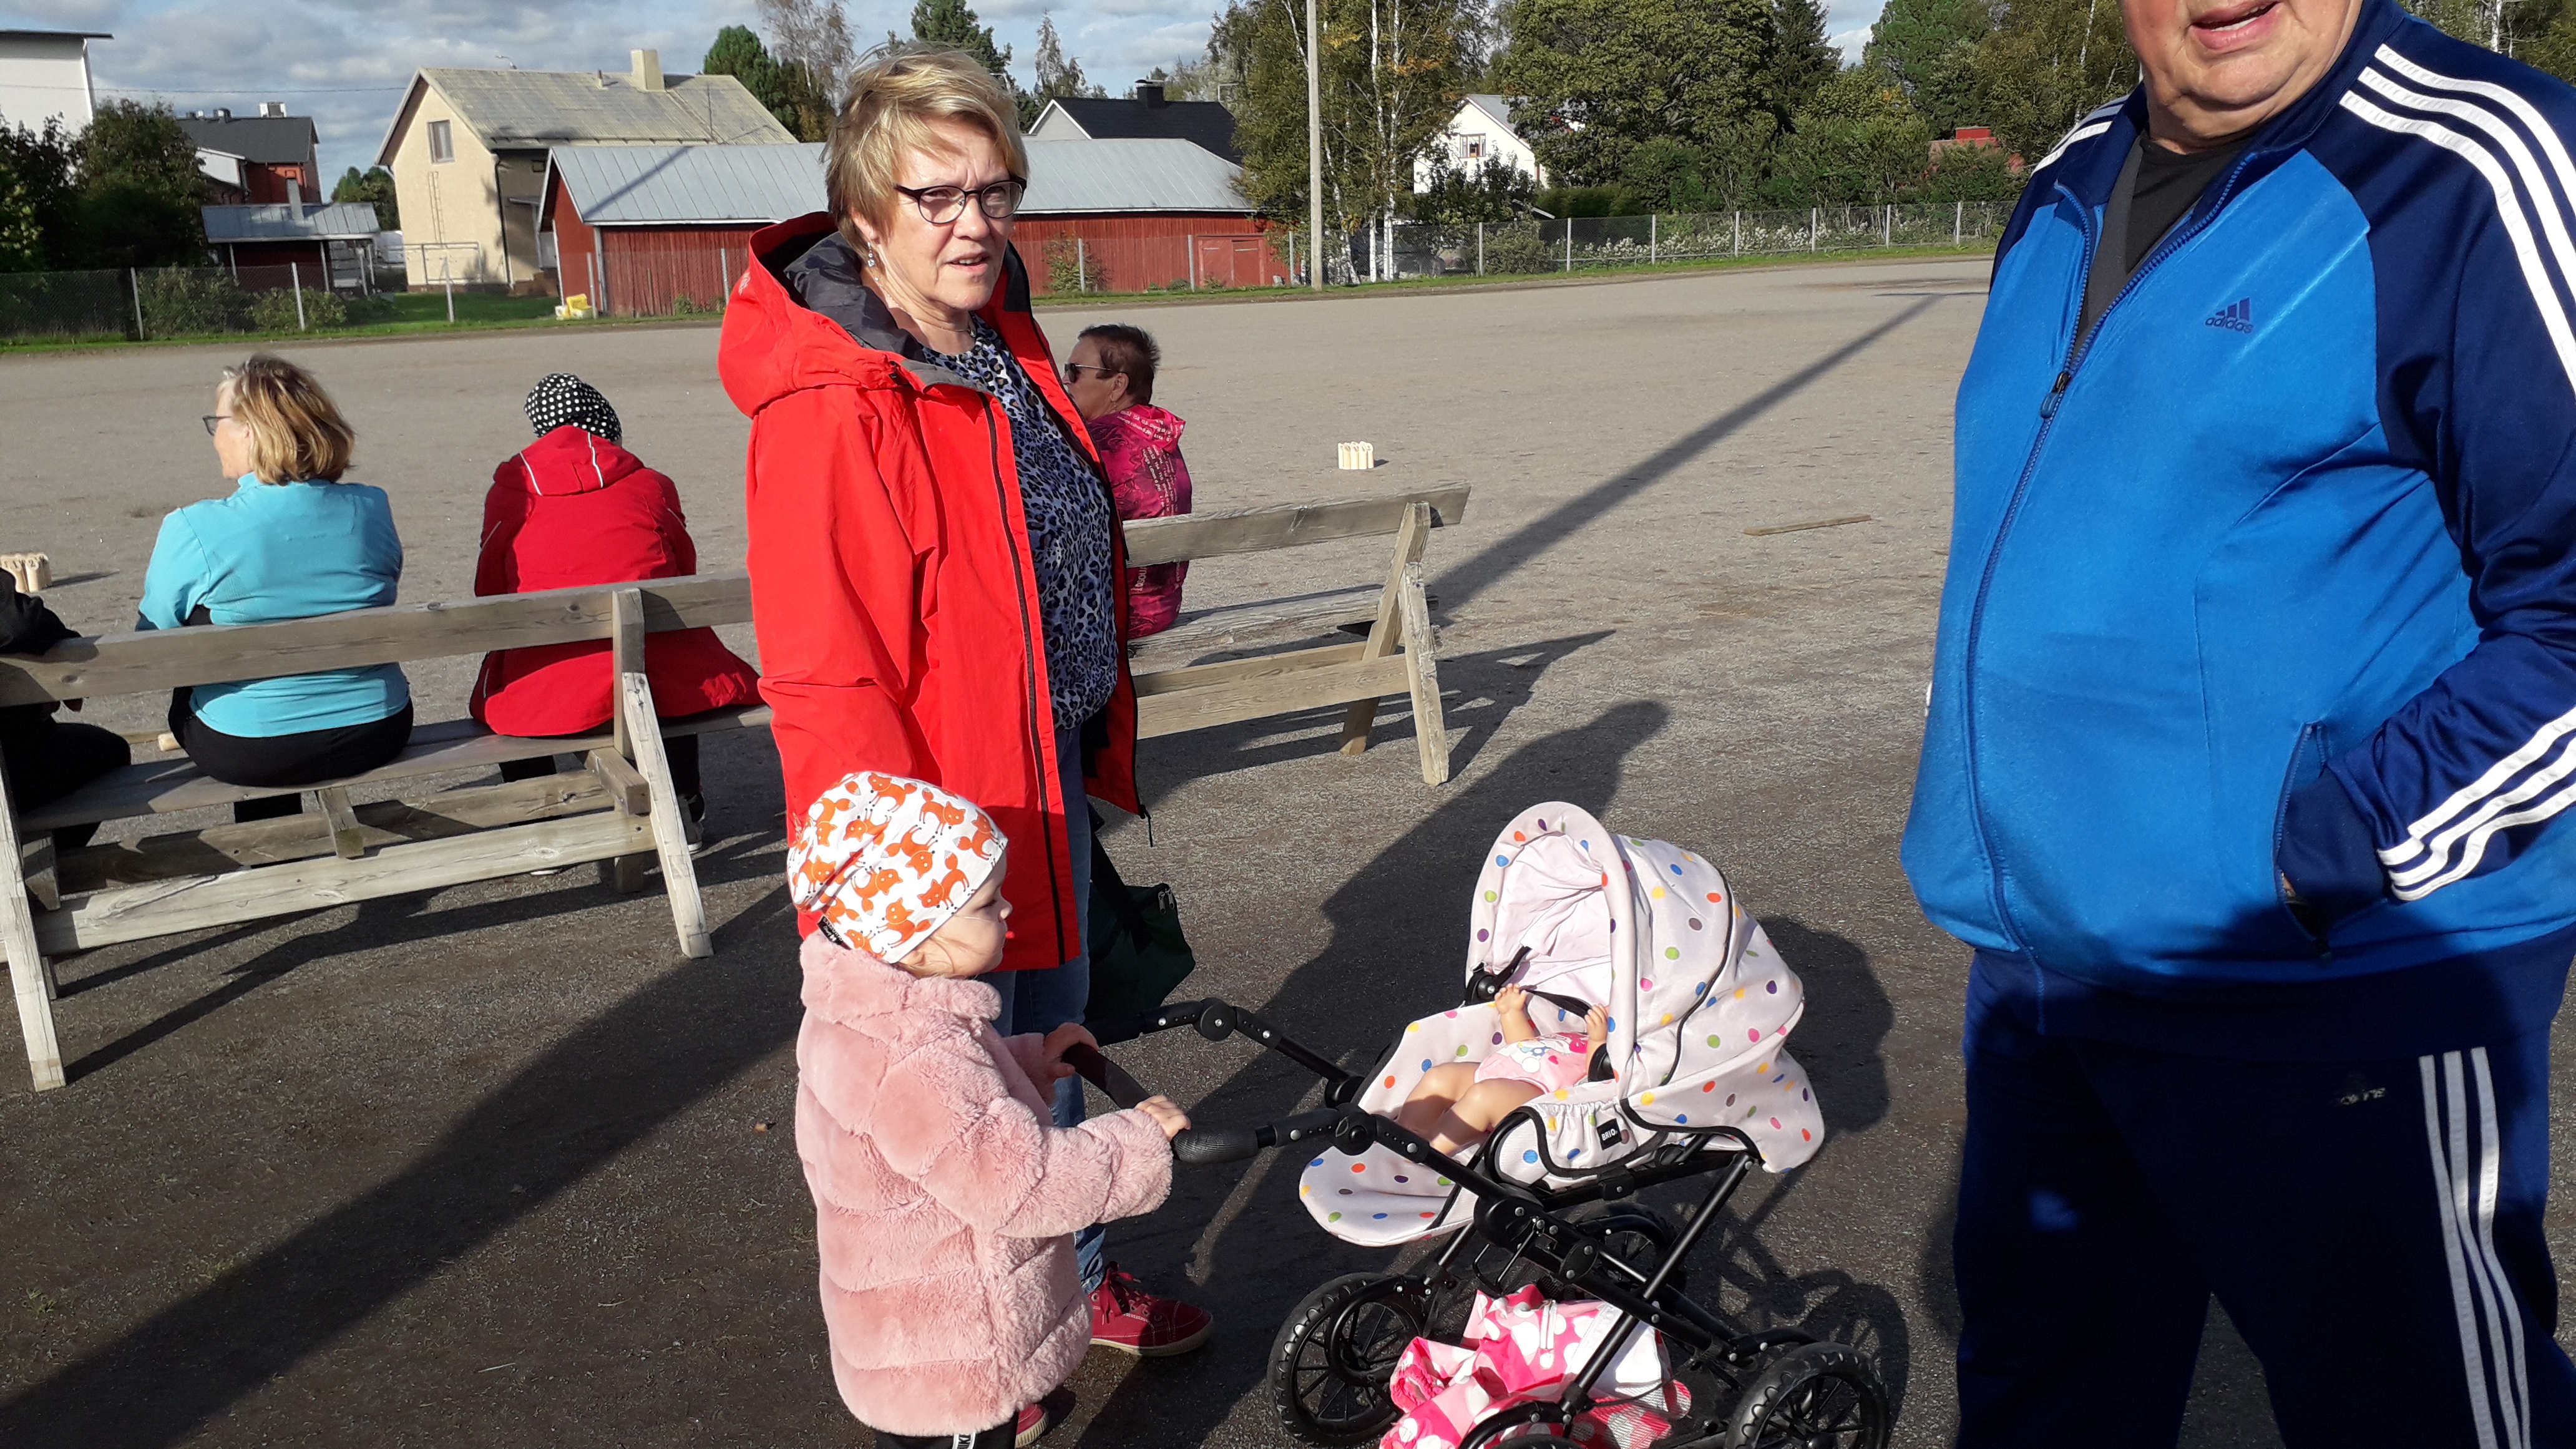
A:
(1847, 24)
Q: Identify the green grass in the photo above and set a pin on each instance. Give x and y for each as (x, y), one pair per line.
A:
(1522, 279)
(398, 314)
(471, 307)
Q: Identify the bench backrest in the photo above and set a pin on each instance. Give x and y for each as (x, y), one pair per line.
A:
(1293, 525)
(164, 659)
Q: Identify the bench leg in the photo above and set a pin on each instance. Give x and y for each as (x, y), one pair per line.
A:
(42, 882)
(1391, 629)
(1422, 670)
(347, 841)
(670, 832)
(625, 874)
(31, 977)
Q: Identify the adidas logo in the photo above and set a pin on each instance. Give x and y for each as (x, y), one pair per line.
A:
(2236, 316)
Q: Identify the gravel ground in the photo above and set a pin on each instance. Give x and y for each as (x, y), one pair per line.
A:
(497, 1166)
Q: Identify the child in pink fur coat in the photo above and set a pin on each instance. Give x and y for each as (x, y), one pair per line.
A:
(945, 1197)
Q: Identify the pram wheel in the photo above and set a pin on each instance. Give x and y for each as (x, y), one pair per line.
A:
(1633, 1233)
(1815, 1396)
(1330, 1365)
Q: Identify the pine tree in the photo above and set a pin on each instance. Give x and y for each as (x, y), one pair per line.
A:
(1801, 61)
(953, 25)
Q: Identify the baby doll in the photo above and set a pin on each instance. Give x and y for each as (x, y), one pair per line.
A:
(1456, 1105)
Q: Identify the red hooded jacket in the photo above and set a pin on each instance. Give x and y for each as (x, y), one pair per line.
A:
(576, 511)
(892, 586)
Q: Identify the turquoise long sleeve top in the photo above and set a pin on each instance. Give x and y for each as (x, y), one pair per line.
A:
(276, 551)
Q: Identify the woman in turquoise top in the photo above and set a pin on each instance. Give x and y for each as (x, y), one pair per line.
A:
(292, 541)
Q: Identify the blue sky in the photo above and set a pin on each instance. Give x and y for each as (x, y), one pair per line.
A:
(344, 62)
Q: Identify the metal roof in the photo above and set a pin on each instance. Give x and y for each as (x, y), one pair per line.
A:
(55, 35)
(334, 222)
(636, 185)
(1129, 175)
(1206, 123)
(533, 109)
(681, 185)
(269, 140)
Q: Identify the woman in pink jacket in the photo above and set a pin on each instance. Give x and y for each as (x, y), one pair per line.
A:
(1110, 378)
(945, 1196)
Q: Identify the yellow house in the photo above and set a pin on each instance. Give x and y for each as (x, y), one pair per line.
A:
(468, 154)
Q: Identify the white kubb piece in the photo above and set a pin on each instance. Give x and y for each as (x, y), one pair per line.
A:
(1358, 457)
(33, 572)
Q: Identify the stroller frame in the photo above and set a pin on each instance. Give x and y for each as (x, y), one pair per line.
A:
(1529, 1221)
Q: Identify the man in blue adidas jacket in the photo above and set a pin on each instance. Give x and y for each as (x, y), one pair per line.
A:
(2253, 711)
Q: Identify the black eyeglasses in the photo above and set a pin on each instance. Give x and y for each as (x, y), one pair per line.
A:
(210, 419)
(941, 205)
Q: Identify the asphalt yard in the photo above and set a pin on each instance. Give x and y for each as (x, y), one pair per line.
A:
(497, 1166)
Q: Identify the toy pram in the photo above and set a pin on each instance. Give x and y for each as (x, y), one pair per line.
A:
(1692, 1083)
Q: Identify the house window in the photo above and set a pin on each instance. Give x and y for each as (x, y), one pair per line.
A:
(442, 147)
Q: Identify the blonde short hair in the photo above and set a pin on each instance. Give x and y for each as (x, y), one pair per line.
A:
(297, 433)
(896, 95)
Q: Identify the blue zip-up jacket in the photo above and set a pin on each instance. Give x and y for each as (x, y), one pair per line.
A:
(2275, 571)
(276, 551)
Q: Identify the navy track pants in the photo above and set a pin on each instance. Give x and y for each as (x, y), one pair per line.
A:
(2372, 1228)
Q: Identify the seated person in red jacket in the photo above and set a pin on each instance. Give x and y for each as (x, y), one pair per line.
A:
(1111, 380)
(576, 510)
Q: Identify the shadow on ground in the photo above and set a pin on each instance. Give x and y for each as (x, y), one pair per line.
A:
(604, 1087)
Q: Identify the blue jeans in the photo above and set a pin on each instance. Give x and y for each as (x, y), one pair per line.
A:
(1041, 1001)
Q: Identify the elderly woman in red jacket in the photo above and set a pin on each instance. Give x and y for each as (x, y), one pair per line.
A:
(935, 562)
(574, 509)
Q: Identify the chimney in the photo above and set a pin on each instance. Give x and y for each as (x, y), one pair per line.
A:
(273, 109)
(1151, 93)
(222, 115)
(295, 193)
(648, 70)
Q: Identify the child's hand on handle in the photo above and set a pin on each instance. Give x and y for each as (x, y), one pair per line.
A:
(1511, 1006)
(1166, 1115)
(1596, 1026)
(1052, 1053)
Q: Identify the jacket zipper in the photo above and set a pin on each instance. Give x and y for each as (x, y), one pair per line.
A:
(1028, 675)
(2077, 350)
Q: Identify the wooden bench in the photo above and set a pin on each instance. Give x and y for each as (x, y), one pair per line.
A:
(622, 809)
(1399, 655)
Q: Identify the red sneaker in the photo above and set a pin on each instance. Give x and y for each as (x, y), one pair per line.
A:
(1034, 1422)
(1127, 1318)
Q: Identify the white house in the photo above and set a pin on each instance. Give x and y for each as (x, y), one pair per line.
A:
(44, 75)
(1480, 132)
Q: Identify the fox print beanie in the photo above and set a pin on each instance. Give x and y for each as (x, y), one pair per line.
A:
(885, 861)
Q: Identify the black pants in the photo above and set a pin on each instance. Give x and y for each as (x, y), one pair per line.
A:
(1000, 1436)
(681, 750)
(285, 761)
(48, 759)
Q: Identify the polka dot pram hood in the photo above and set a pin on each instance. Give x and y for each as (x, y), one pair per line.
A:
(1699, 1006)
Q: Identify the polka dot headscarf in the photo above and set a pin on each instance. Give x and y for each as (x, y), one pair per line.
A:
(560, 398)
(885, 861)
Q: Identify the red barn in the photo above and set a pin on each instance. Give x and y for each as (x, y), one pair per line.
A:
(642, 229)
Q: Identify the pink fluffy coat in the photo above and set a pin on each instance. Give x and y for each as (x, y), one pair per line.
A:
(945, 1199)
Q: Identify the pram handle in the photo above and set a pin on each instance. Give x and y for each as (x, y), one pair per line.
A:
(1105, 1074)
(1216, 1020)
(1201, 1144)
(1233, 1144)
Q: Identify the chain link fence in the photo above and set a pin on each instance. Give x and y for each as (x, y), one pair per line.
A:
(1425, 249)
(157, 303)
